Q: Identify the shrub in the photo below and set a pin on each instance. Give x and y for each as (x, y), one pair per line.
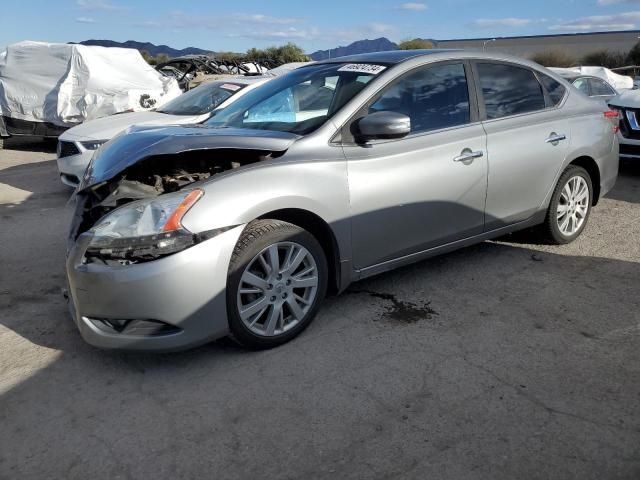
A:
(634, 54)
(554, 58)
(415, 44)
(278, 55)
(605, 58)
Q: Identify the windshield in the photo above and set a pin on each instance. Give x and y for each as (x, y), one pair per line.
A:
(300, 101)
(201, 100)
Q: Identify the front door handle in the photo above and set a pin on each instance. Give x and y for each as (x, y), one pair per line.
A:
(468, 156)
(554, 138)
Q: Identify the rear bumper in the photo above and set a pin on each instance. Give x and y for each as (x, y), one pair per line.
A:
(184, 292)
(629, 147)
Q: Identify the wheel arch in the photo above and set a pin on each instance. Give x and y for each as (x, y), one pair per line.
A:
(323, 232)
(592, 168)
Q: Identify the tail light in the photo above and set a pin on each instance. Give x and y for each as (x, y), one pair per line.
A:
(615, 117)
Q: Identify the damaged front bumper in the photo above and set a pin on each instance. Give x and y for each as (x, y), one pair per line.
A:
(172, 303)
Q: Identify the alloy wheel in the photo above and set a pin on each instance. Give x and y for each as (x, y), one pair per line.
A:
(277, 289)
(573, 205)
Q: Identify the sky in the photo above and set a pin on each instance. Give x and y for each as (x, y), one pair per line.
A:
(312, 24)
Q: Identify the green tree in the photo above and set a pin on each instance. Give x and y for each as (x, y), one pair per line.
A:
(276, 56)
(554, 58)
(416, 44)
(162, 58)
(605, 58)
(228, 56)
(634, 54)
(147, 57)
(255, 54)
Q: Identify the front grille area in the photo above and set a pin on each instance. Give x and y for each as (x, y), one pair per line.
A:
(629, 150)
(66, 149)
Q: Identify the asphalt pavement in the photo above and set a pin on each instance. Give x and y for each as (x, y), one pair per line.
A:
(506, 360)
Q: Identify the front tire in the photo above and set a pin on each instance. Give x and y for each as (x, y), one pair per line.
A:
(276, 282)
(570, 206)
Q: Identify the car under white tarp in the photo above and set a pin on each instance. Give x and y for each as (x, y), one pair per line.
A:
(67, 84)
(619, 82)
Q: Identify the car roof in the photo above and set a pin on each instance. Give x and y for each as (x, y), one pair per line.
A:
(249, 79)
(237, 79)
(388, 57)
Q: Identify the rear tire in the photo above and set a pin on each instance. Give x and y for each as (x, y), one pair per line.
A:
(276, 282)
(570, 207)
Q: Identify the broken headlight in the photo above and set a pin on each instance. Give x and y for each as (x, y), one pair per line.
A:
(93, 144)
(144, 230)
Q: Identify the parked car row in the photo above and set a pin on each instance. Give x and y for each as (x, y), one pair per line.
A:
(77, 145)
(336, 171)
(47, 88)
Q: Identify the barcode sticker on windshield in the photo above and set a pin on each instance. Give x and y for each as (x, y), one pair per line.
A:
(230, 86)
(362, 68)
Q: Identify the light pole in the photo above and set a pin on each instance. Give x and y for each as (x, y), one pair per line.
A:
(484, 44)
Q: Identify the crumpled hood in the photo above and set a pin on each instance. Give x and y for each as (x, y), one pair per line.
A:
(627, 98)
(140, 142)
(108, 127)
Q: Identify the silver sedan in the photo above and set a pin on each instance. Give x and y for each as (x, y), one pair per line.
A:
(337, 171)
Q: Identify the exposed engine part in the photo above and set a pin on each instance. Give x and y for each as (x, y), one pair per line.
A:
(155, 176)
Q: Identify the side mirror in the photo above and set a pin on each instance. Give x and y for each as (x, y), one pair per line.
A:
(383, 125)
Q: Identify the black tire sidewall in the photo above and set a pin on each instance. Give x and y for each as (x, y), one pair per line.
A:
(552, 221)
(284, 232)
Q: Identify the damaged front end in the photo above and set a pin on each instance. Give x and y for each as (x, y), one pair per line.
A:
(140, 185)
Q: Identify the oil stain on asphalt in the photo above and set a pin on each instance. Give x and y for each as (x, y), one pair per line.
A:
(399, 310)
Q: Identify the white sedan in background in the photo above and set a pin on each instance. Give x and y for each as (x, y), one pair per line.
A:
(76, 145)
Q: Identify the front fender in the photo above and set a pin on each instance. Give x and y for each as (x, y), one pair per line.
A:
(319, 187)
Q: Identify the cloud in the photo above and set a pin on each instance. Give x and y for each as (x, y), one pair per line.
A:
(265, 28)
(413, 7)
(378, 28)
(603, 3)
(260, 19)
(501, 22)
(179, 20)
(104, 5)
(620, 21)
(290, 33)
(85, 20)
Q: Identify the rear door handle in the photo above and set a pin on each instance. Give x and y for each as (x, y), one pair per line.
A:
(467, 155)
(554, 138)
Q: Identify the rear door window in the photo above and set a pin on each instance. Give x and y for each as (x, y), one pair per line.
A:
(554, 88)
(509, 90)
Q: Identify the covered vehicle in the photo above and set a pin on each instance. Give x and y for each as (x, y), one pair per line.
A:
(46, 88)
(77, 145)
(337, 171)
(591, 86)
(617, 81)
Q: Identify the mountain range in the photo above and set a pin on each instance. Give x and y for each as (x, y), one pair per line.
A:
(154, 50)
(360, 46)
